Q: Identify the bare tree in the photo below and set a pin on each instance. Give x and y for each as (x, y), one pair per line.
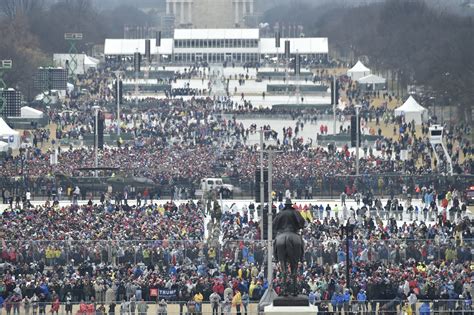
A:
(12, 8)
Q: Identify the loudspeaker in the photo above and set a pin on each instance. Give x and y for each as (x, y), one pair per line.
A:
(354, 132)
(287, 49)
(257, 185)
(137, 60)
(118, 90)
(147, 50)
(335, 92)
(265, 223)
(277, 39)
(100, 130)
(158, 39)
(297, 64)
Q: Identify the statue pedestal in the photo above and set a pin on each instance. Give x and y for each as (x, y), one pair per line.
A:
(291, 304)
(288, 310)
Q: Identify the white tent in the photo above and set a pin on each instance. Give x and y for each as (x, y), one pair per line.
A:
(28, 112)
(90, 62)
(358, 71)
(3, 146)
(412, 111)
(8, 135)
(70, 87)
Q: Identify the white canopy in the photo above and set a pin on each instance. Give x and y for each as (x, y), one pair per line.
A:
(412, 111)
(302, 45)
(217, 33)
(8, 135)
(3, 146)
(131, 46)
(28, 112)
(90, 62)
(358, 71)
(70, 87)
(371, 79)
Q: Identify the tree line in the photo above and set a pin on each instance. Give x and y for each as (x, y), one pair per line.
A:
(418, 44)
(32, 31)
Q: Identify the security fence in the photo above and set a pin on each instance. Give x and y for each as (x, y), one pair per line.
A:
(319, 250)
(84, 264)
(382, 185)
(31, 305)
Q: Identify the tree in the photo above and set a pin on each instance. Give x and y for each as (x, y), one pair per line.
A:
(13, 8)
(21, 46)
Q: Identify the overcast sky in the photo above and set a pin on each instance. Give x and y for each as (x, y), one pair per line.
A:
(452, 5)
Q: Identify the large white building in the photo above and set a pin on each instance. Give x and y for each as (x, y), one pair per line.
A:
(210, 13)
(217, 46)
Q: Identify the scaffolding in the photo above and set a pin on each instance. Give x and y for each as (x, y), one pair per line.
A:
(4, 65)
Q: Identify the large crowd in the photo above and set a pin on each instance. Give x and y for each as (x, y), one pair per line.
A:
(187, 140)
(118, 254)
(121, 255)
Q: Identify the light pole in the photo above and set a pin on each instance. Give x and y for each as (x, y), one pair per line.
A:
(334, 106)
(357, 107)
(96, 137)
(270, 220)
(262, 184)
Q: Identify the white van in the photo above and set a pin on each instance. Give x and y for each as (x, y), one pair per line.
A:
(210, 184)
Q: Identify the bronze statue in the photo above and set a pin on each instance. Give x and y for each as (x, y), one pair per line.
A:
(288, 244)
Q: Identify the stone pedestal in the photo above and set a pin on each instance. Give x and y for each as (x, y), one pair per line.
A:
(288, 310)
(291, 304)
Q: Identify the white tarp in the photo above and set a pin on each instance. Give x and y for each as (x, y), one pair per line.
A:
(371, 79)
(82, 62)
(412, 111)
(28, 112)
(76, 61)
(3, 146)
(217, 33)
(128, 47)
(302, 45)
(8, 135)
(358, 71)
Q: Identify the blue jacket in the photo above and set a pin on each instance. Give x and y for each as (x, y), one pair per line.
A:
(347, 297)
(425, 309)
(337, 299)
(361, 296)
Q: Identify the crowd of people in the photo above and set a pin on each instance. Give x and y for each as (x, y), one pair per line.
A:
(121, 255)
(189, 131)
(393, 263)
(118, 255)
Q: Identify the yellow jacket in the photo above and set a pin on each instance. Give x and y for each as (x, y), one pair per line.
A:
(198, 298)
(237, 299)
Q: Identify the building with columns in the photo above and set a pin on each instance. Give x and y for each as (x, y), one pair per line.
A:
(218, 46)
(210, 13)
(182, 11)
(242, 8)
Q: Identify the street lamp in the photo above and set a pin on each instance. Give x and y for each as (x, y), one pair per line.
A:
(96, 135)
(357, 108)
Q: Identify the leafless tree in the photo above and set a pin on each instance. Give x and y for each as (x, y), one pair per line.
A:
(12, 8)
